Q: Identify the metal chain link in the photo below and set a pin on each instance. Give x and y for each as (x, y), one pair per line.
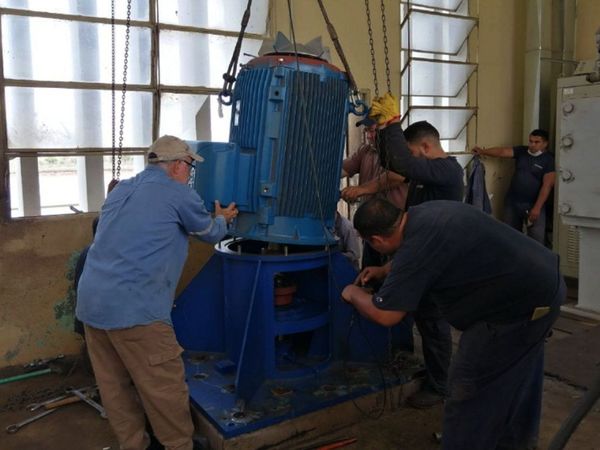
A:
(385, 48)
(372, 47)
(118, 155)
(113, 91)
(124, 88)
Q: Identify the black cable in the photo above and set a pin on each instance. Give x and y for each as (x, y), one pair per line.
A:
(569, 426)
(356, 317)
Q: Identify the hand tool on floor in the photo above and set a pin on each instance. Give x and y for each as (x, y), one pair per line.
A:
(41, 363)
(34, 406)
(17, 426)
(61, 399)
(63, 402)
(88, 400)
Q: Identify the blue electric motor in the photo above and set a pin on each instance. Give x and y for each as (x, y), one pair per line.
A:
(263, 323)
(283, 162)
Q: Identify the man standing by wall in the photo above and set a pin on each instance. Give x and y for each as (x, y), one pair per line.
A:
(532, 183)
(126, 293)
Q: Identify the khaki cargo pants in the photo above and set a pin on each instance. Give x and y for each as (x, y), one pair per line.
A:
(140, 369)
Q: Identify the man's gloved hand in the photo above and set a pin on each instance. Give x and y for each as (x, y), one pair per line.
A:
(384, 109)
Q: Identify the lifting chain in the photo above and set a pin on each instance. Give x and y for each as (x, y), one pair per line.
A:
(385, 48)
(225, 96)
(372, 47)
(118, 154)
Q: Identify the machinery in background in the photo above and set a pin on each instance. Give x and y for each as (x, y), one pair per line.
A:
(578, 165)
(266, 334)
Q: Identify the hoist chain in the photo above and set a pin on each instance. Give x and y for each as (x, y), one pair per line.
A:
(385, 48)
(372, 47)
(117, 155)
(113, 90)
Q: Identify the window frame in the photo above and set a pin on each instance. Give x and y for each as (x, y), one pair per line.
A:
(154, 87)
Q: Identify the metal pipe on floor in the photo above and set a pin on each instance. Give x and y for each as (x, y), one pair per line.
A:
(25, 376)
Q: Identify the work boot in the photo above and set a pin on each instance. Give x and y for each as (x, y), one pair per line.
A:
(424, 399)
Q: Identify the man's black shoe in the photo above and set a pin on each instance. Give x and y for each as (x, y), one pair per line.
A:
(424, 399)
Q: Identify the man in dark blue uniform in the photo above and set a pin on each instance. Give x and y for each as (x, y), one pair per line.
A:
(417, 155)
(499, 287)
(531, 184)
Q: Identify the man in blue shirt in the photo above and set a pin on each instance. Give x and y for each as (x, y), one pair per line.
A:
(500, 288)
(126, 292)
(531, 185)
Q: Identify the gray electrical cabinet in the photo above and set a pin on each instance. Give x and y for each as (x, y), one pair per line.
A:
(577, 231)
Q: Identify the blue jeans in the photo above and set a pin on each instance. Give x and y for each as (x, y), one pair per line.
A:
(495, 384)
(516, 216)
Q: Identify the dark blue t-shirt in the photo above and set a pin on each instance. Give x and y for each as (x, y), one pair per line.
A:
(472, 266)
(529, 175)
(430, 179)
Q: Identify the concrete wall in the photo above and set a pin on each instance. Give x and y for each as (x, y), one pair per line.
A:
(349, 20)
(588, 21)
(500, 87)
(33, 265)
(36, 318)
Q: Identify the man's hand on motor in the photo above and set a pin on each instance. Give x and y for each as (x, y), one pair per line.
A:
(229, 213)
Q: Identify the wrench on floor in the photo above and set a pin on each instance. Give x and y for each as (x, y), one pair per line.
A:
(33, 406)
(17, 426)
(88, 400)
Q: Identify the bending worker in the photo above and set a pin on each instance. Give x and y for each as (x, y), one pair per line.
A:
(126, 294)
(531, 183)
(417, 155)
(499, 287)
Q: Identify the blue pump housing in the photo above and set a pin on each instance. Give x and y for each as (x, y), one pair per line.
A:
(283, 162)
(252, 359)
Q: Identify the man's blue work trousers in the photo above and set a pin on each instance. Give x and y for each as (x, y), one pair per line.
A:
(516, 217)
(437, 345)
(495, 384)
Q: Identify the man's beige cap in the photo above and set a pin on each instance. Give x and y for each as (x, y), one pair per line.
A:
(171, 148)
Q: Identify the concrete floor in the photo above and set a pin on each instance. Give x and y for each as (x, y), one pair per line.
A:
(79, 427)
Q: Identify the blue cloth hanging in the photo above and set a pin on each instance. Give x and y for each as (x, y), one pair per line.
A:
(476, 192)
